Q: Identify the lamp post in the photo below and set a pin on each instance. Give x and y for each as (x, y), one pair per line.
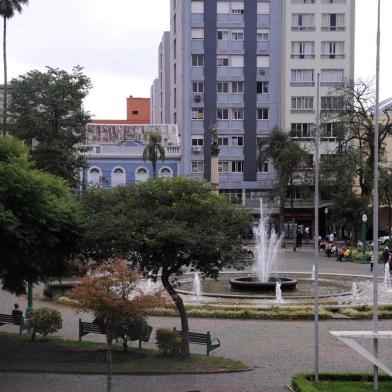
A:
(29, 299)
(326, 221)
(364, 230)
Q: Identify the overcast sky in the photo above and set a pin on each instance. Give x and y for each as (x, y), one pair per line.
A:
(116, 42)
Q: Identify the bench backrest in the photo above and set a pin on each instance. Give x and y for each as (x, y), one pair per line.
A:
(199, 338)
(6, 318)
(91, 327)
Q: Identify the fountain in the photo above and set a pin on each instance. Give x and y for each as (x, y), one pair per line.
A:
(314, 273)
(267, 247)
(387, 278)
(354, 292)
(196, 285)
(278, 292)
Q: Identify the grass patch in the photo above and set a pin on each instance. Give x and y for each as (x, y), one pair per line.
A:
(68, 356)
(335, 382)
(272, 313)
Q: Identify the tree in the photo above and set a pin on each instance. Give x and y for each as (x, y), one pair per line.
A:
(112, 291)
(39, 221)
(165, 227)
(289, 160)
(154, 150)
(385, 192)
(7, 11)
(356, 113)
(49, 115)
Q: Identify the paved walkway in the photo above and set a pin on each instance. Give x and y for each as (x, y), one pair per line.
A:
(277, 349)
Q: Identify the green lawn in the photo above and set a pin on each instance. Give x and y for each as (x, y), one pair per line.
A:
(58, 355)
(341, 383)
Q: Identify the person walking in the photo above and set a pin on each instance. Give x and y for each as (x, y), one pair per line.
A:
(385, 255)
(307, 234)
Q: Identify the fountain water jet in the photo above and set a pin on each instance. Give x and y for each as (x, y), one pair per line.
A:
(354, 292)
(268, 244)
(387, 278)
(278, 292)
(196, 285)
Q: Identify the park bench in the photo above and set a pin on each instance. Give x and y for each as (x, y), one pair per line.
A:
(9, 319)
(85, 328)
(203, 339)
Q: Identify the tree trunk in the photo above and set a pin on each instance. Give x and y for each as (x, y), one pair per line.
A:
(389, 220)
(109, 341)
(181, 310)
(5, 75)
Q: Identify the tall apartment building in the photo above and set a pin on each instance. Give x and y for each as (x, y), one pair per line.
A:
(249, 66)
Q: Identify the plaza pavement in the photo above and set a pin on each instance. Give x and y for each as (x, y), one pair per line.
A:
(276, 349)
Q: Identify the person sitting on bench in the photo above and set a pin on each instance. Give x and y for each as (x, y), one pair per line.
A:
(17, 315)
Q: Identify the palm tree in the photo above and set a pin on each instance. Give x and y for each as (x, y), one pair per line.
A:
(154, 150)
(7, 11)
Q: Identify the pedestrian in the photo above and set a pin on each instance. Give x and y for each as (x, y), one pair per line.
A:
(307, 234)
(385, 255)
(331, 237)
(17, 315)
(372, 259)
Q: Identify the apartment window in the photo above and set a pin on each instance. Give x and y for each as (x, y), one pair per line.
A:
(197, 141)
(262, 167)
(223, 141)
(223, 7)
(263, 114)
(135, 112)
(262, 87)
(332, 103)
(237, 114)
(237, 141)
(237, 35)
(197, 33)
(223, 167)
(233, 195)
(197, 113)
(237, 61)
(301, 130)
(223, 87)
(197, 60)
(237, 87)
(263, 61)
(333, 22)
(237, 7)
(175, 23)
(263, 34)
(175, 49)
(302, 77)
(302, 49)
(222, 114)
(197, 167)
(303, 22)
(302, 104)
(237, 166)
(302, 1)
(332, 50)
(198, 87)
(263, 7)
(222, 61)
(197, 7)
(332, 77)
(333, 1)
(331, 130)
(223, 35)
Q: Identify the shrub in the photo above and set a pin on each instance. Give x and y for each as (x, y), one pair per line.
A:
(131, 329)
(168, 341)
(45, 321)
(48, 293)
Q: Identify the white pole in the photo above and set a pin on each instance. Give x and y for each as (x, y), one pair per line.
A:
(316, 234)
(376, 203)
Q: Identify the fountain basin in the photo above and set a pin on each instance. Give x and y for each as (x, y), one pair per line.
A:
(251, 283)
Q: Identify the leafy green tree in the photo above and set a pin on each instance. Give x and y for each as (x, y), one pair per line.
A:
(39, 221)
(165, 227)
(289, 160)
(154, 150)
(7, 11)
(48, 110)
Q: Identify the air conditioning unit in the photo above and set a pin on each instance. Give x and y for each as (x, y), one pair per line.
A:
(262, 72)
(197, 98)
(196, 148)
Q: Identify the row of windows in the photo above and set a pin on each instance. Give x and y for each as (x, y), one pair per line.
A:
(322, 1)
(235, 141)
(329, 50)
(262, 87)
(327, 103)
(231, 7)
(228, 167)
(197, 33)
(306, 130)
(307, 22)
(230, 114)
(118, 175)
(236, 61)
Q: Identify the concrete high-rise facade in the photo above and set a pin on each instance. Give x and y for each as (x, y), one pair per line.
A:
(247, 67)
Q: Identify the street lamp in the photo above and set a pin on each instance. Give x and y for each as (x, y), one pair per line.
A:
(326, 221)
(364, 220)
